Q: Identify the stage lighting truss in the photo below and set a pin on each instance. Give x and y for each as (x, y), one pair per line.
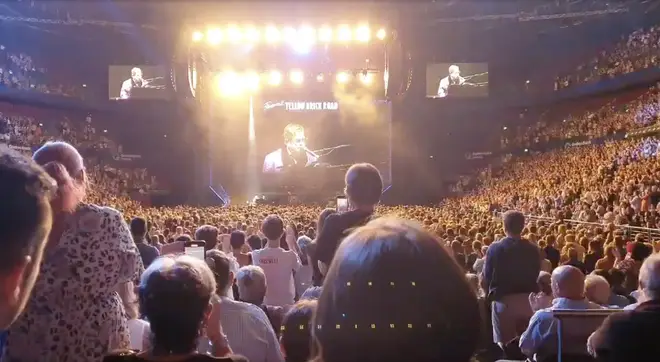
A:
(297, 37)
(231, 83)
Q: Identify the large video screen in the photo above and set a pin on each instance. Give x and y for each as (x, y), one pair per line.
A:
(456, 80)
(137, 82)
(305, 137)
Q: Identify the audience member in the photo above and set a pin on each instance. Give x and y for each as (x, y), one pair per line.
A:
(148, 253)
(296, 339)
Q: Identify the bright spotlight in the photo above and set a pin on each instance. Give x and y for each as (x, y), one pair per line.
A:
(290, 35)
(344, 33)
(197, 36)
(234, 34)
(343, 77)
(366, 78)
(296, 76)
(252, 81)
(381, 34)
(272, 34)
(275, 78)
(363, 34)
(325, 34)
(252, 34)
(214, 36)
(229, 84)
(307, 35)
(320, 78)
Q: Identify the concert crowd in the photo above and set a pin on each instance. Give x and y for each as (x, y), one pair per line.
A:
(88, 273)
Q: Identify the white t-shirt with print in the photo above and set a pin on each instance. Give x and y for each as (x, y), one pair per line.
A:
(278, 266)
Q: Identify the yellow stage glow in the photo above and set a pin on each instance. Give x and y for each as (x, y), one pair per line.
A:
(229, 84)
(252, 81)
(197, 36)
(290, 35)
(344, 33)
(214, 36)
(307, 35)
(367, 78)
(381, 34)
(275, 78)
(343, 77)
(325, 34)
(272, 34)
(234, 34)
(252, 34)
(296, 76)
(363, 34)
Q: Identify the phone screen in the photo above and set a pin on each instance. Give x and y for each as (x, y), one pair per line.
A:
(342, 204)
(195, 249)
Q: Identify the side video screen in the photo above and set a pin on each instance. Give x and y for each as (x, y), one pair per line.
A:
(456, 80)
(137, 82)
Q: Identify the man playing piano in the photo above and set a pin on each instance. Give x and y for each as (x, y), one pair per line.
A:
(136, 81)
(454, 78)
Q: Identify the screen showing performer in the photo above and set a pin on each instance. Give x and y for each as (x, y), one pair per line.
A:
(303, 138)
(455, 80)
(294, 153)
(136, 82)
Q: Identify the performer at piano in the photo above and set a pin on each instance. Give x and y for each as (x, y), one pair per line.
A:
(136, 81)
(294, 153)
(454, 78)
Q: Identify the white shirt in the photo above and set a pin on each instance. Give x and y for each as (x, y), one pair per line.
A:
(278, 266)
(137, 330)
(542, 328)
(249, 332)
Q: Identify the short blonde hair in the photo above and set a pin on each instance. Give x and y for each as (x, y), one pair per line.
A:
(597, 289)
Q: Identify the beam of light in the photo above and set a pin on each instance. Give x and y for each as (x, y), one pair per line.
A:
(214, 36)
(197, 36)
(272, 35)
(229, 84)
(381, 34)
(296, 76)
(366, 78)
(344, 33)
(343, 77)
(363, 34)
(325, 34)
(234, 34)
(252, 81)
(275, 78)
(252, 35)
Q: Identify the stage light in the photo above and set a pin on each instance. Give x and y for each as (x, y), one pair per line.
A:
(325, 34)
(344, 33)
(214, 36)
(197, 36)
(290, 35)
(274, 78)
(363, 34)
(307, 35)
(381, 34)
(296, 76)
(366, 78)
(252, 81)
(229, 84)
(234, 34)
(272, 35)
(252, 34)
(343, 77)
(320, 78)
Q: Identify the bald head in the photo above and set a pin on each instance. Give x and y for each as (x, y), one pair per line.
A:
(649, 277)
(568, 282)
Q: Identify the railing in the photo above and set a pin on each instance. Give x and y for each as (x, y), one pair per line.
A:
(628, 230)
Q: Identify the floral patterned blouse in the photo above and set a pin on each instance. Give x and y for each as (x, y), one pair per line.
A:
(74, 313)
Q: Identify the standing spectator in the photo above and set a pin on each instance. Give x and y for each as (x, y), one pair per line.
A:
(510, 272)
(25, 222)
(551, 252)
(364, 186)
(317, 276)
(278, 264)
(237, 242)
(75, 313)
(148, 253)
